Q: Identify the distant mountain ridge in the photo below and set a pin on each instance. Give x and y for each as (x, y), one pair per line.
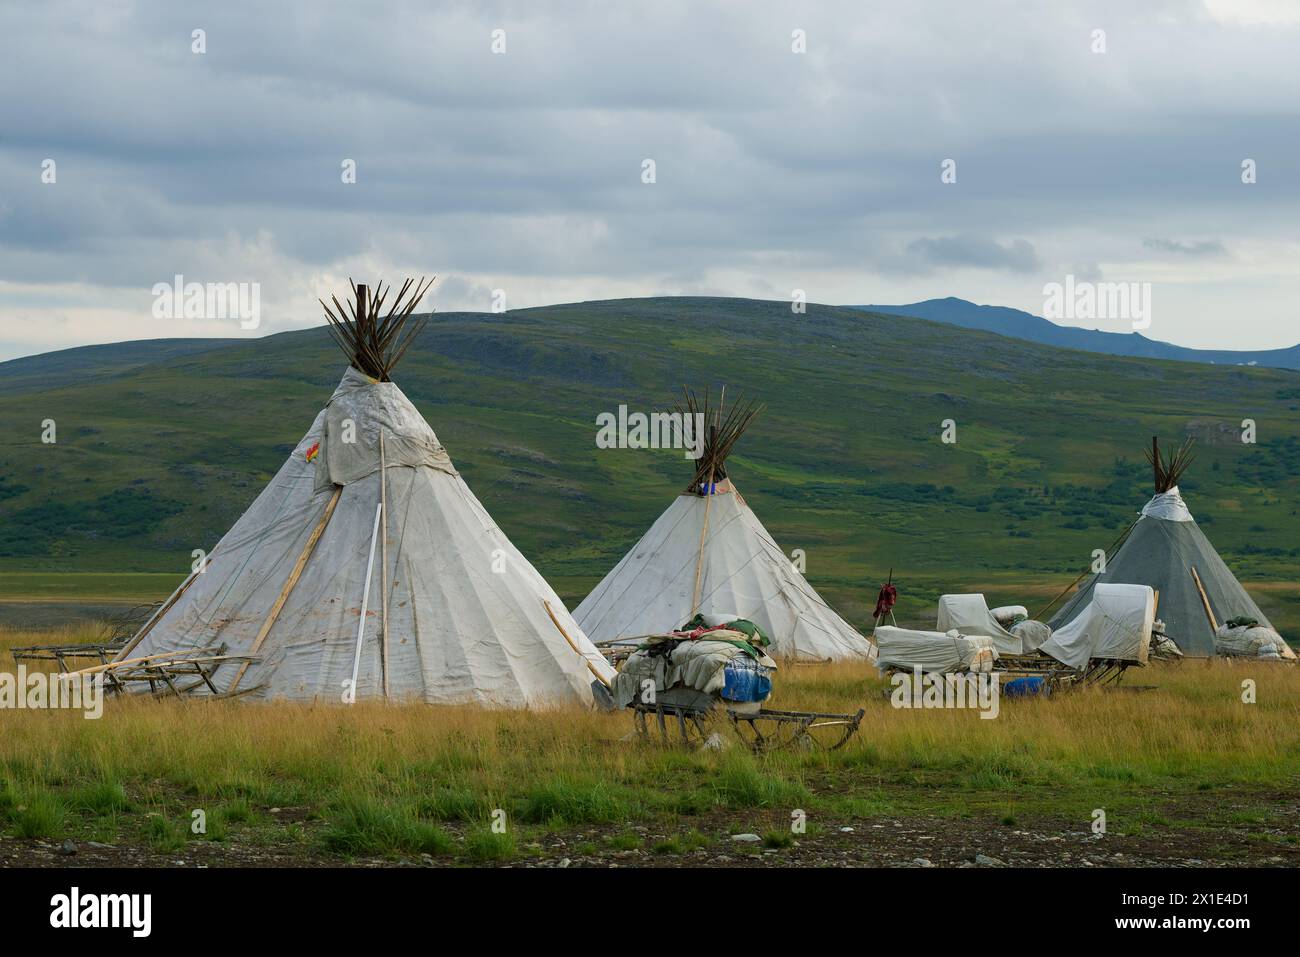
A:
(1024, 325)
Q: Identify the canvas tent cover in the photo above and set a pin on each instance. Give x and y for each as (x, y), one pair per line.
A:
(743, 572)
(1161, 550)
(1116, 624)
(467, 613)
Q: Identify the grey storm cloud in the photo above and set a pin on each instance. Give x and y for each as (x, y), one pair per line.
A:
(774, 170)
(976, 252)
(1200, 249)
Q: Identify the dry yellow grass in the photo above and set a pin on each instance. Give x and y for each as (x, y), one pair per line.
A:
(570, 766)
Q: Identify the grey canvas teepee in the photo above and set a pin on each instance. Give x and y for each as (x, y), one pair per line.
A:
(709, 553)
(1166, 550)
(368, 556)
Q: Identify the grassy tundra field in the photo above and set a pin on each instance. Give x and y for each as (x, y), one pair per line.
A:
(162, 445)
(1185, 772)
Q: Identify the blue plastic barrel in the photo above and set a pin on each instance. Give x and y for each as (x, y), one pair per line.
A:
(1026, 687)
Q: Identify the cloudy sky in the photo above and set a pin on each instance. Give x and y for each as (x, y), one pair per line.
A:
(522, 170)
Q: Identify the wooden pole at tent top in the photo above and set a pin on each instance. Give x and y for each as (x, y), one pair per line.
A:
(708, 502)
(362, 312)
(699, 555)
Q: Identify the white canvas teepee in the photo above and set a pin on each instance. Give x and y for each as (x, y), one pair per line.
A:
(369, 512)
(709, 553)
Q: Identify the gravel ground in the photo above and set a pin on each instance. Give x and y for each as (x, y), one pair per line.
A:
(916, 841)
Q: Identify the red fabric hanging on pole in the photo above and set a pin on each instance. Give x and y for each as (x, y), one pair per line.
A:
(885, 603)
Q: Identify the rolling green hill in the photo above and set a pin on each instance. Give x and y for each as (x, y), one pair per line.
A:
(161, 445)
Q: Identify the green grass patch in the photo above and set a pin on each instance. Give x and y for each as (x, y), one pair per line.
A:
(626, 841)
(101, 797)
(363, 826)
(456, 804)
(165, 834)
(741, 783)
(778, 839)
(568, 802)
(39, 816)
(484, 845)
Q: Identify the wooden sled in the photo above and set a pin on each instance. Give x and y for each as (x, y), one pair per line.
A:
(62, 654)
(688, 719)
(178, 673)
(805, 730)
(71, 657)
(1105, 673)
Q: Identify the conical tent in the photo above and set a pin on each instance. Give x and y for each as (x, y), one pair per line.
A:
(709, 553)
(1166, 550)
(369, 512)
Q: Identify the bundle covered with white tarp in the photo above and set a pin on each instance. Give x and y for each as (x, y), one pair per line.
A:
(1031, 633)
(934, 652)
(1008, 615)
(1251, 641)
(970, 615)
(1115, 626)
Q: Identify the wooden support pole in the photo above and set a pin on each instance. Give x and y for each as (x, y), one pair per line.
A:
(699, 557)
(590, 667)
(708, 502)
(1205, 601)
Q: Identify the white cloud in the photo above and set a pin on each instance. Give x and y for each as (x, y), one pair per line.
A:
(522, 171)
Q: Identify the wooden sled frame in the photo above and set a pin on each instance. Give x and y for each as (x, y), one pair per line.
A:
(102, 653)
(115, 637)
(762, 730)
(176, 673)
(1099, 672)
(799, 724)
(1056, 676)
